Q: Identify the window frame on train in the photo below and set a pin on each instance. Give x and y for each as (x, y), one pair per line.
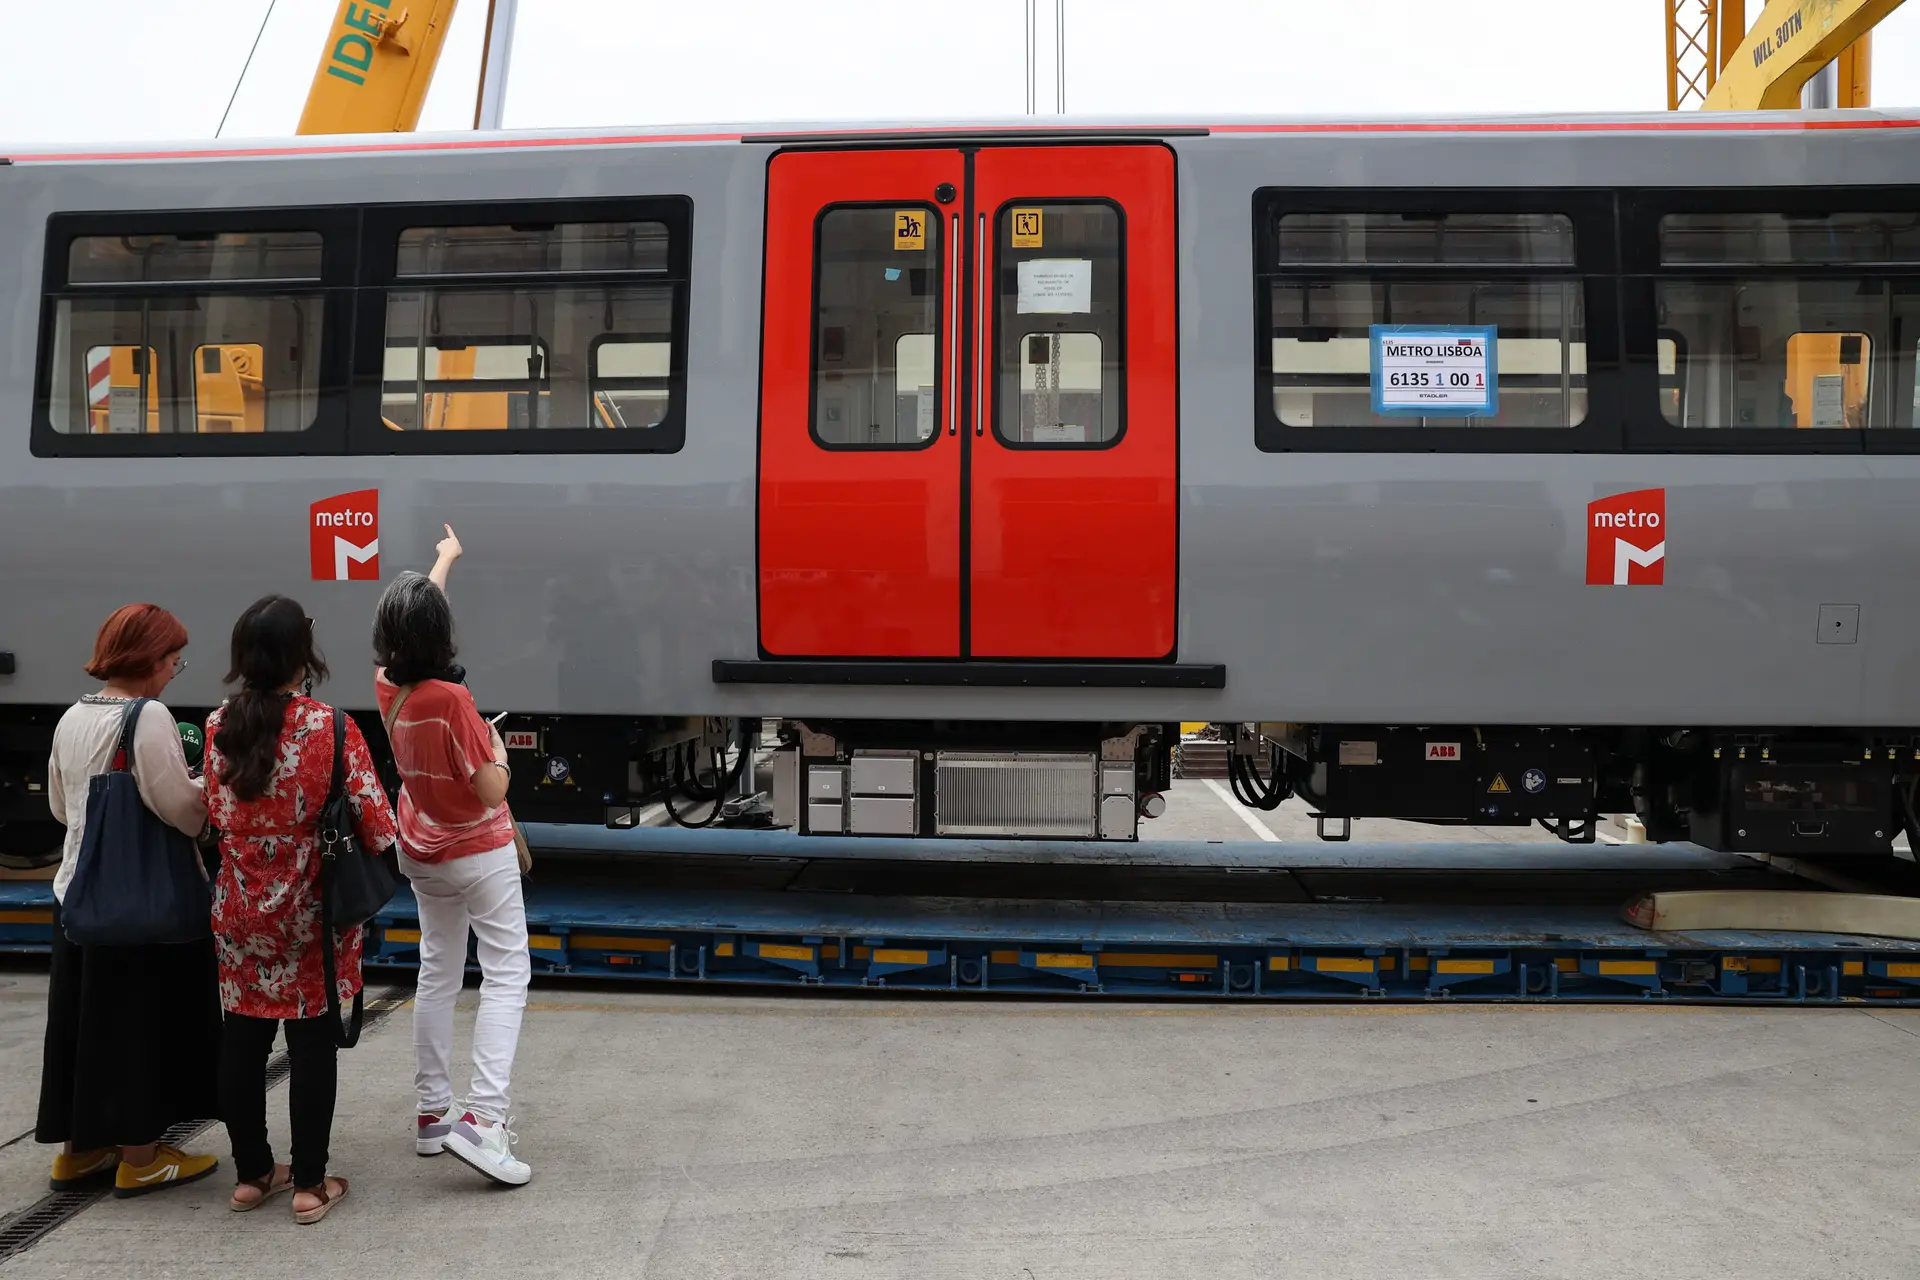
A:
(1594, 267)
(817, 372)
(380, 279)
(1009, 410)
(325, 431)
(1643, 271)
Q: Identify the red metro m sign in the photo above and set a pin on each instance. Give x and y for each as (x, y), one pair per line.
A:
(1627, 539)
(344, 537)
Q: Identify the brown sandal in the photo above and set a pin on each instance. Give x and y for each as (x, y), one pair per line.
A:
(268, 1185)
(307, 1217)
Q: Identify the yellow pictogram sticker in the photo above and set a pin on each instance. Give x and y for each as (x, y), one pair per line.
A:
(1026, 229)
(1499, 787)
(909, 229)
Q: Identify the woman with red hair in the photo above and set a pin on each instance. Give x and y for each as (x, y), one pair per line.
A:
(133, 1033)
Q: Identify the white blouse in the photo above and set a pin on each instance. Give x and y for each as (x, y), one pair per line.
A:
(83, 745)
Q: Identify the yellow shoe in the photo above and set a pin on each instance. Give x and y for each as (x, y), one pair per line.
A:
(82, 1167)
(171, 1167)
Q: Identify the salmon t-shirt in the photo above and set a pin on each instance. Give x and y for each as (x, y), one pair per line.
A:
(438, 741)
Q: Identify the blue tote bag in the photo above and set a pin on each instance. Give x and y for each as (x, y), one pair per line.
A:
(137, 881)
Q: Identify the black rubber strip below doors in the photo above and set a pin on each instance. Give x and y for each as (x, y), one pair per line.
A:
(986, 675)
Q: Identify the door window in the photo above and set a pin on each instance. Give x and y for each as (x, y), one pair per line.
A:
(876, 327)
(1059, 325)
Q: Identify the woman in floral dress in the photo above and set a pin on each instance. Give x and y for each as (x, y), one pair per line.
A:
(269, 762)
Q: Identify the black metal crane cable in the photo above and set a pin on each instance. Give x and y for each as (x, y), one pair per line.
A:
(234, 96)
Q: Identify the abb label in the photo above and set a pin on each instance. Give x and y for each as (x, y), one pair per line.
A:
(1443, 751)
(1627, 539)
(344, 537)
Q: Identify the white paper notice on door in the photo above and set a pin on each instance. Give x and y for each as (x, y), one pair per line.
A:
(1055, 287)
(1829, 400)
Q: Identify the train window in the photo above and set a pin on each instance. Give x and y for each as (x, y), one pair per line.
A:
(1059, 323)
(186, 258)
(877, 289)
(1321, 349)
(229, 394)
(1404, 239)
(531, 357)
(1790, 353)
(1672, 387)
(217, 332)
(542, 327)
(1335, 275)
(630, 380)
(532, 249)
(123, 398)
(142, 365)
(1743, 238)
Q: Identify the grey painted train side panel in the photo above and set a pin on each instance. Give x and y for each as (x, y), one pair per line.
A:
(1369, 587)
(597, 583)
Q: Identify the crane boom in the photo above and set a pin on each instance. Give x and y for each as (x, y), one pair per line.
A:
(1787, 47)
(376, 66)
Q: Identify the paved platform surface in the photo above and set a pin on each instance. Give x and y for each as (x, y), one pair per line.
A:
(715, 1135)
(710, 1136)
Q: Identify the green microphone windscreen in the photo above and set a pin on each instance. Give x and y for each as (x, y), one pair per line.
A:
(192, 743)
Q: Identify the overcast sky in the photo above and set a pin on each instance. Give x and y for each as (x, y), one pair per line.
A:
(100, 70)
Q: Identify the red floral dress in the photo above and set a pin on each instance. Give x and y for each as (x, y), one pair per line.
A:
(266, 900)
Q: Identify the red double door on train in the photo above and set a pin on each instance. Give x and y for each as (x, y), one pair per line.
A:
(968, 443)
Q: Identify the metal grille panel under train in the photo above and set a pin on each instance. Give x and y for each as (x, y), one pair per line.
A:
(1021, 793)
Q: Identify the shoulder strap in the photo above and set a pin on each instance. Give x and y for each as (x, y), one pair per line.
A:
(337, 784)
(345, 1036)
(129, 721)
(401, 694)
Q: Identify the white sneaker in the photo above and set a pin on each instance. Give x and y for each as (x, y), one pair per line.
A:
(430, 1132)
(488, 1148)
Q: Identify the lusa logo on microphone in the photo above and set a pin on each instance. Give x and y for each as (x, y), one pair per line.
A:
(1627, 539)
(344, 537)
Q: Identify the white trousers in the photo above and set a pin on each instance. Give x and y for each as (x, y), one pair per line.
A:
(481, 892)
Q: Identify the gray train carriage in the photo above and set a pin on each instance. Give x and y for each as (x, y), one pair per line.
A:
(1471, 470)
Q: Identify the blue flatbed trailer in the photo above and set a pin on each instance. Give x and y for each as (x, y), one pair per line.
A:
(606, 905)
(592, 912)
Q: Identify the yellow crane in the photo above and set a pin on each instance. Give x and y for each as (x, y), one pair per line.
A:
(373, 76)
(379, 61)
(1714, 60)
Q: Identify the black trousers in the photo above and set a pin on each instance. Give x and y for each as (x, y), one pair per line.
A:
(244, 1047)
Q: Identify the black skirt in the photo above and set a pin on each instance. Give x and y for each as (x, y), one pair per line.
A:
(133, 1042)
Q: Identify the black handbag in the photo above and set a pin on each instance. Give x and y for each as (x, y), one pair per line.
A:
(353, 883)
(137, 881)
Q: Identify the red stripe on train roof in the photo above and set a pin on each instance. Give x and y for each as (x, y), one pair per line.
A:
(1688, 124)
(363, 148)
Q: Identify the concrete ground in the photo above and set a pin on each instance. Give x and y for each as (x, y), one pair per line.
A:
(696, 1135)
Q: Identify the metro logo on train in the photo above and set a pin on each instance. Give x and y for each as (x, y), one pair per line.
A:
(344, 537)
(1627, 539)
